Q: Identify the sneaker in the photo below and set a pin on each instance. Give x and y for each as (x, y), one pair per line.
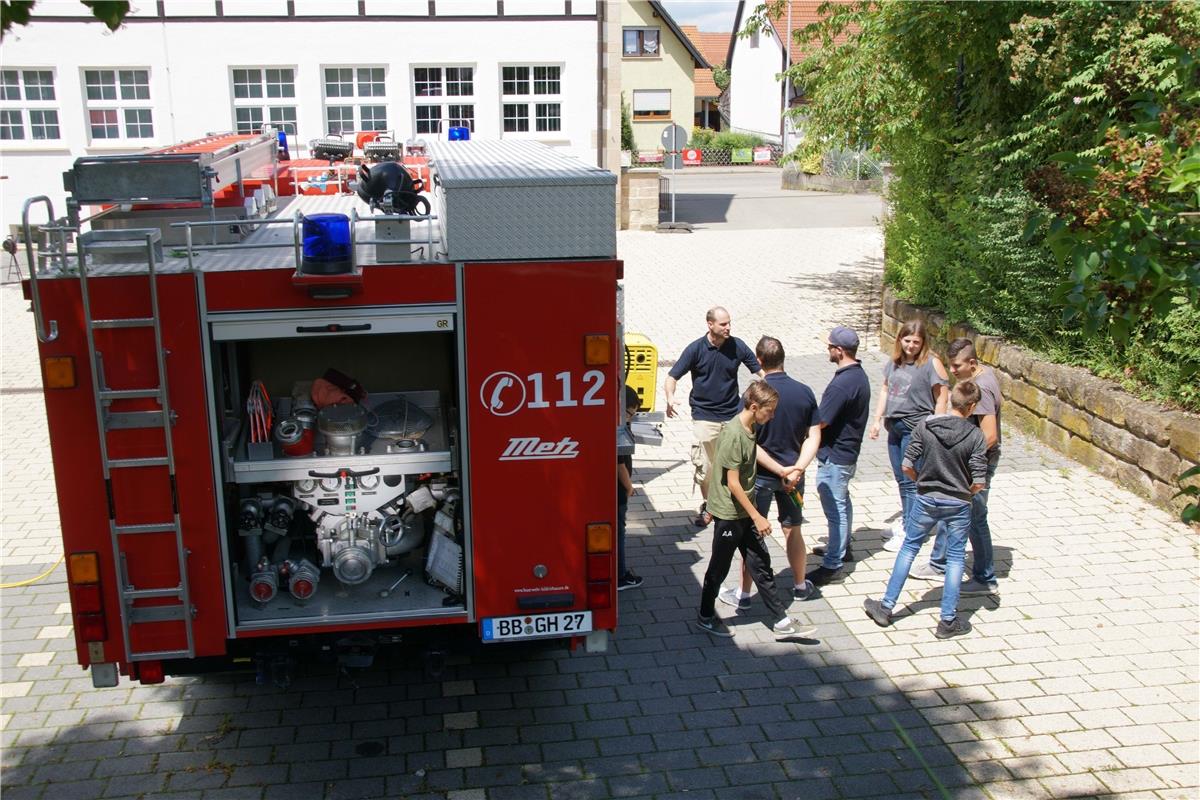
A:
(894, 544)
(805, 591)
(730, 598)
(820, 551)
(926, 572)
(714, 625)
(974, 587)
(629, 581)
(897, 529)
(879, 615)
(824, 575)
(955, 627)
(788, 627)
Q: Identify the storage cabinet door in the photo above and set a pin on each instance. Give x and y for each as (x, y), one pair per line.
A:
(541, 441)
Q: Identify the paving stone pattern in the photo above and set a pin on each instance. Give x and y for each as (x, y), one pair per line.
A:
(1079, 681)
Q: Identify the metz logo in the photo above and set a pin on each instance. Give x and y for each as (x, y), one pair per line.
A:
(531, 448)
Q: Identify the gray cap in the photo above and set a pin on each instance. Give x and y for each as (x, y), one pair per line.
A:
(841, 336)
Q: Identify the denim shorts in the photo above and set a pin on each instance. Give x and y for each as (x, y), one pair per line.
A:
(767, 487)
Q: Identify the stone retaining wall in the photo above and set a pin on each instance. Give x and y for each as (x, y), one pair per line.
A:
(1140, 445)
(639, 198)
(794, 178)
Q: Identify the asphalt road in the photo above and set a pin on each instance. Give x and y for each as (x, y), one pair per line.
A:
(751, 198)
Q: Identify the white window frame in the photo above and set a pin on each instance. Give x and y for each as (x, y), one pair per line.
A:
(442, 101)
(129, 104)
(267, 93)
(532, 100)
(19, 107)
(360, 93)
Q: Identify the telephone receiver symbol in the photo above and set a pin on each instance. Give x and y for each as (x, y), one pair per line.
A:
(496, 403)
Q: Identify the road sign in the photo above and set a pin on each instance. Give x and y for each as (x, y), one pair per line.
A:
(692, 157)
(674, 138)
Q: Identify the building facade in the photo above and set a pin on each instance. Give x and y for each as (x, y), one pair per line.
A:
(657, 66)
(180, 69)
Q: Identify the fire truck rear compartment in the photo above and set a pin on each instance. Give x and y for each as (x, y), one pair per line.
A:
(350, 525)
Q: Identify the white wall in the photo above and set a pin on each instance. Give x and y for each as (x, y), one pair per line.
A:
(754, 93)
(191, 88)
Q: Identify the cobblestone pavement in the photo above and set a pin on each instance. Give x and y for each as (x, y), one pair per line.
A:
(1079, 681)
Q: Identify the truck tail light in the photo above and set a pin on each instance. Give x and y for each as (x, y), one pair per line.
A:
(599, 594)
(150, 672)
(599, 564)
(599, 567)
(87, 602)
(91, 627)
(59, 372)
(599, 538)
(87, 599)
(597, 349)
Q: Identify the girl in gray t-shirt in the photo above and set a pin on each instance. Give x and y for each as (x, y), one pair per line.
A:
(914, 386)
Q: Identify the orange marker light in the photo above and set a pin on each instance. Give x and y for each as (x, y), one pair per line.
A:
(83, 568)
(59, 372)
(599, 537)
(597, 349)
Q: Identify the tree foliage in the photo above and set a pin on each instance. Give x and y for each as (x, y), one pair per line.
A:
(18, 12)
(1047, 175)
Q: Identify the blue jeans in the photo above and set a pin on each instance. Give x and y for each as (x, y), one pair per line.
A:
(927, 513)
(899, 434)
(983, 564)
(833, 487)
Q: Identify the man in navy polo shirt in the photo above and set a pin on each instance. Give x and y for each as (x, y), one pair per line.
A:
(712, 360)
(843, 413)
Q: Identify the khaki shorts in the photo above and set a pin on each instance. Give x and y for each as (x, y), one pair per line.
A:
(704, 447)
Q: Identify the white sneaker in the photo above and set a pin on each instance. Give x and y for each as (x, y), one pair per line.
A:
(898, 529)
(894, 544)
(788, 627)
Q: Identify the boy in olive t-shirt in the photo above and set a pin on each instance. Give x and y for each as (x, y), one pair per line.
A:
(739, 527)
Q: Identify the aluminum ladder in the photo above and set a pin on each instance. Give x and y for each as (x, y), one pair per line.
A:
(136, 240)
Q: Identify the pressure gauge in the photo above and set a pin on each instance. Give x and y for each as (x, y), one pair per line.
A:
(306, 486)
(330, 484)
(368, 482)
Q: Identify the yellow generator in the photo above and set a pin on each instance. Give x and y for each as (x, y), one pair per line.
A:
(641, 369)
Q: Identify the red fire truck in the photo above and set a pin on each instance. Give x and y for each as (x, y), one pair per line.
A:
(280, 415)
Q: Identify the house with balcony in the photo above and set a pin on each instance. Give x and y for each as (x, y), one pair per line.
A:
(658, 64)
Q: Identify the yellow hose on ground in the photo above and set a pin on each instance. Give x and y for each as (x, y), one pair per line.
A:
(32, 581)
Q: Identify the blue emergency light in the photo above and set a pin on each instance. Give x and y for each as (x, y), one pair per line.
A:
(459, 133)
(326, 244)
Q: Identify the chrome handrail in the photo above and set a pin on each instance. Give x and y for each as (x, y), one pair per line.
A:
(43, 337)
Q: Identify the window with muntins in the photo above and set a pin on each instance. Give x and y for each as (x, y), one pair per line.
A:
(344, 86)
(28, 105)
(433, 87)
(641, 43)
(531, 99)
(118, 104)
(264, 95)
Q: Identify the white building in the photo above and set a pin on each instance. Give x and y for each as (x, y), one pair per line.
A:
(757, 96)
(179, 69)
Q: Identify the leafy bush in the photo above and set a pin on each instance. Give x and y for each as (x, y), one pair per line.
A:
(1046, 165)
(731, 140)
(627, 140)
(702, 137)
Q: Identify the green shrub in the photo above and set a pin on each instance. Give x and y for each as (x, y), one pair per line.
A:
(702, 137)
(730, 140)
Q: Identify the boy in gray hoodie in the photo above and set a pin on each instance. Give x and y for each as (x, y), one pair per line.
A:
(952, 457)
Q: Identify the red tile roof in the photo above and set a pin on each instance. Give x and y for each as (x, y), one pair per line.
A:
(715, 48)
(804, 12)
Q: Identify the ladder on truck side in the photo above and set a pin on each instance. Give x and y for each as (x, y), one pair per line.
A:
(135, 240)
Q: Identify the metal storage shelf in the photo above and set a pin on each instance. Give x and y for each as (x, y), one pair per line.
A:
(381, 453)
